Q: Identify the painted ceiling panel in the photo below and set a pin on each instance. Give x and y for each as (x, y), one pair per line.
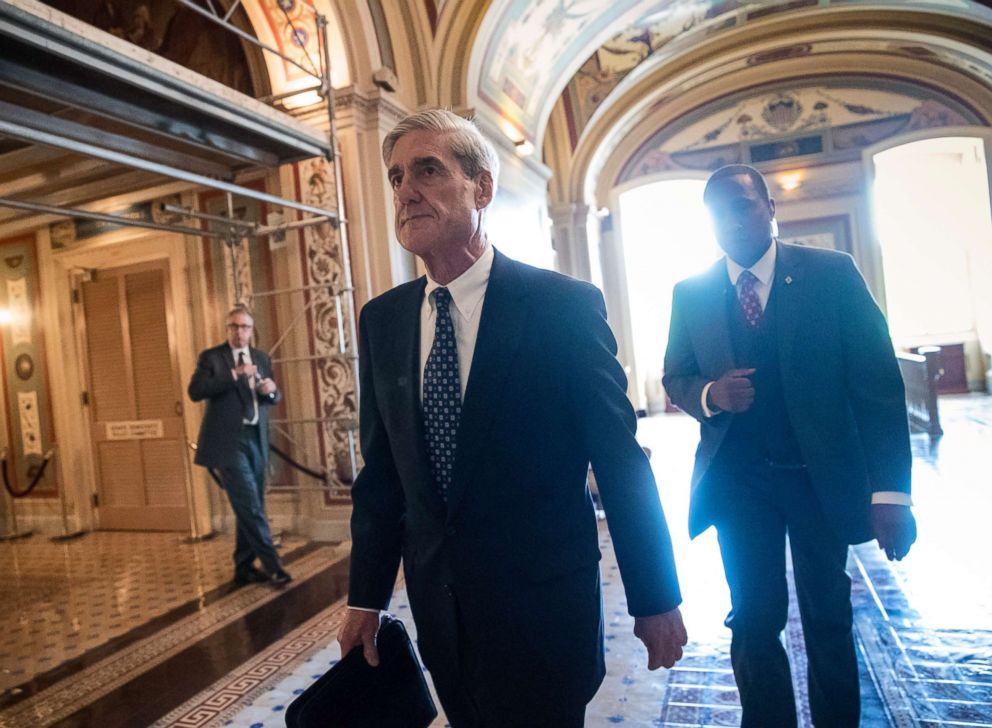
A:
(528, 47)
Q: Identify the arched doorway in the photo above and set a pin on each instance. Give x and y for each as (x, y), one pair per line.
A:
(665, 236)
(932, 219)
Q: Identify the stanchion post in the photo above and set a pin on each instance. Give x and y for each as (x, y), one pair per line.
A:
(14, 533)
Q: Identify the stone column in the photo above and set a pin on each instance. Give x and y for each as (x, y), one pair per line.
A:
(378, 261)
(570, 237)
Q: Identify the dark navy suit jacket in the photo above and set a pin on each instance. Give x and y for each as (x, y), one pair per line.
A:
(843, 391)
(217, 445)
(517, 545)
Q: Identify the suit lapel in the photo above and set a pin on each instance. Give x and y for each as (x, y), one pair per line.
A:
(404, 373)
(712, 310)
(790, 293)
(500, 326)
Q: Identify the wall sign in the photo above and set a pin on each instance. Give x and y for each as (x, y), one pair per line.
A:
(134, 430)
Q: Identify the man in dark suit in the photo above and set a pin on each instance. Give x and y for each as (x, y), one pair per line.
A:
(487, 388)
(236, 381)
(783, 356)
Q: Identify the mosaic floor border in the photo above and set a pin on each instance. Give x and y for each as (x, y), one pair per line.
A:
(96, 681)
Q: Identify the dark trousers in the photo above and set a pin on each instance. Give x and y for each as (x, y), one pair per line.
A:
(474, 695)
(244, 483)
(764, 504)
(464, 709)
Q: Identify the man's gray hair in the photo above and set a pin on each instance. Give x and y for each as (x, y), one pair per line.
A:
(240, 308)
(473, 151)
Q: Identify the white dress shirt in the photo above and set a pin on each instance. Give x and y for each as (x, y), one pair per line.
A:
(251, 382)
(764, 271)
(467, 292)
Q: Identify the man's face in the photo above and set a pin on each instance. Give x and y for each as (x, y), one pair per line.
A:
(742, 218)
(239, 326)
(437, 207)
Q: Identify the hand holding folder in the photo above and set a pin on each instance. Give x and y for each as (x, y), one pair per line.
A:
(353, 694)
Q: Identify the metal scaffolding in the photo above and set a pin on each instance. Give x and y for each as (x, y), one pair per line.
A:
(283, 139)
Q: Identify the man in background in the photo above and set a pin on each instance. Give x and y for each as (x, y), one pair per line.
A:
(236, 381)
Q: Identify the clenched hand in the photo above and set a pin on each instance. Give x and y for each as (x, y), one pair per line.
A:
(664, 635)
(894, 527)
(360, 628)
(733, 392)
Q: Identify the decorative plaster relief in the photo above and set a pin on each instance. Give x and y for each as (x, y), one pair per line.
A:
(830, 120)
(335, 382)
(27, 407)
(20, 311)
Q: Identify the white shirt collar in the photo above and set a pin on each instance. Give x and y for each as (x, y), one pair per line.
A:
(763, 270)
(468, 289)
(239, 350)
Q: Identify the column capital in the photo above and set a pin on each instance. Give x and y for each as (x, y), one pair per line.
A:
(568, 213)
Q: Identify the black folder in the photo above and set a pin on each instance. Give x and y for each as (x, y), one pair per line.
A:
(353, 694)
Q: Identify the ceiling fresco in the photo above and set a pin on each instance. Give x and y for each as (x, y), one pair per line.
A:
(171, 31)
(187, 38)
(660, 36)
(836, 120)
(290, 26)
(528, 46)
(533, 44)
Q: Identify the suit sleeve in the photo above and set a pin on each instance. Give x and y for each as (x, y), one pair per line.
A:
(682, 380)
(623, 474)
(211, 378)
(265, 366)
(377, 498)
(874, 385)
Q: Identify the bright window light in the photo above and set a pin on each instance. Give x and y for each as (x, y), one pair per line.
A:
(931, 207)
(667, 236)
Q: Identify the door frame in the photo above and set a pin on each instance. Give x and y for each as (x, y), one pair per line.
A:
(63, 271)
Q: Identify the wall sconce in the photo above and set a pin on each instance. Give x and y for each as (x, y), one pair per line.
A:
(523, 148)
(6, 316)
(790, 181)
(385, 79)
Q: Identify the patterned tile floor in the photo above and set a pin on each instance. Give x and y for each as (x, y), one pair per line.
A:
(60, 600)
(924, 626)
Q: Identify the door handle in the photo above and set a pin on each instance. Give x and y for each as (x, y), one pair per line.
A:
(179, 409)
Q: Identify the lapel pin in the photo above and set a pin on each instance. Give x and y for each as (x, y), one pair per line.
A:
(788, 280)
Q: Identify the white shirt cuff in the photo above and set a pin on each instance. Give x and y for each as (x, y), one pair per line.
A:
(363, 609)
(702, 400)
(891, 497)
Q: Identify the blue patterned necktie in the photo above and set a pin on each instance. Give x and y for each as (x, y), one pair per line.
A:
(442, 395)
(748, 297)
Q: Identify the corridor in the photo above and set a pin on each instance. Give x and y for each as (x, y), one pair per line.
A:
(126, 629)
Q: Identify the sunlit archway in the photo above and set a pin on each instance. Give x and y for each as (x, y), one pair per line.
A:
(934, 226)
(666, 237)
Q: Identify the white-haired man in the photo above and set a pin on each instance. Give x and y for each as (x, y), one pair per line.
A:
(488, 387)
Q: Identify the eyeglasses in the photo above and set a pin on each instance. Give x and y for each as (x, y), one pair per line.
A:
(243, 327)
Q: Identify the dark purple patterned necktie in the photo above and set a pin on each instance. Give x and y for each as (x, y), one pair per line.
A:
(748, 297)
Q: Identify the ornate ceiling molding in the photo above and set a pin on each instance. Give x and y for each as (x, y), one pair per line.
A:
(951, 51)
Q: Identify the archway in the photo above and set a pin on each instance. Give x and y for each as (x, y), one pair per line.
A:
(933, 224)
(666, 237)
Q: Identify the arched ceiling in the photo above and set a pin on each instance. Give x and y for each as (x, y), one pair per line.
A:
(525, 53)
(667, 34)
(290, 26)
